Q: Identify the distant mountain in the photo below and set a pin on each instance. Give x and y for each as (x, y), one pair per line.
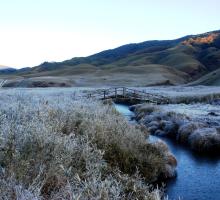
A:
(6, 70)
(3, 67)
(169, 62)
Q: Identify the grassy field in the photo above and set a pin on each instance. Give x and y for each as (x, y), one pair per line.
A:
(87, 75)
(186, 94)
(56, 145)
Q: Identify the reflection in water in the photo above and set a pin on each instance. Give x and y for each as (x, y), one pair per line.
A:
(125, 111)
(198, 177)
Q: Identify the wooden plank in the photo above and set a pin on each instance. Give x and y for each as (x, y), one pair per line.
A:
(124, 92)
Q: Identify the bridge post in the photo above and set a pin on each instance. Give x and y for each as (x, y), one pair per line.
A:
(104, 93)
(124, 91)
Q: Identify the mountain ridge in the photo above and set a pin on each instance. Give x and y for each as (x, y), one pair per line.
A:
(189, 58)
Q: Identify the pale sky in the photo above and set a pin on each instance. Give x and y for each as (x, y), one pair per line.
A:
(34, 31)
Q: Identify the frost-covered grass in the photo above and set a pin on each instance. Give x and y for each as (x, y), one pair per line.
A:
(197, 125)
(200, 112)
(181, 94)
(58, 145)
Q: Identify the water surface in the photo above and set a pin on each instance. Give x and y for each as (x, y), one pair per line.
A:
(198, 176)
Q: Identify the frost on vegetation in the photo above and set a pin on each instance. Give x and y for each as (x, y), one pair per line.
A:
(60, 146)
(200, 131)
(181, 94)
(206, 139)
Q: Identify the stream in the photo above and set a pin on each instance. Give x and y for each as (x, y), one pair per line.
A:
(198, 176)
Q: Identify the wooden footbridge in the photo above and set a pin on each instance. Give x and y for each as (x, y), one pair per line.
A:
(2, 83)
(128, 96)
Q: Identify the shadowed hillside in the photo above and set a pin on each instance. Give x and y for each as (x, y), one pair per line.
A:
(170, 62)
(6, 70)
(212, 78)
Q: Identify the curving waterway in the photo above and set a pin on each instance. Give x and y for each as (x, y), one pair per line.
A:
(198, 176)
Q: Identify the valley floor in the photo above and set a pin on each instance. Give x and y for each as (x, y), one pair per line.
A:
(57, 144)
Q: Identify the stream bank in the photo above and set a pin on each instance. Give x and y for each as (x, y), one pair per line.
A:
(198, 176)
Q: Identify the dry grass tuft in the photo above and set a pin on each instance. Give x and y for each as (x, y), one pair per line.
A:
(198, 135)
(57, 146)
(205, 140)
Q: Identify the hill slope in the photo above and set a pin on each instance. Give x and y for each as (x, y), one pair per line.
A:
(212, 78)
(6, 70)
(171, 62)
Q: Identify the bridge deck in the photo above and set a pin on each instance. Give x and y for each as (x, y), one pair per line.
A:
(129, 94)
(2, 83)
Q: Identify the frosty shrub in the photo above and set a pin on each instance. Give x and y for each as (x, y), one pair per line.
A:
(199, 135)
(56, 145)
(186, 130)
(205, 140)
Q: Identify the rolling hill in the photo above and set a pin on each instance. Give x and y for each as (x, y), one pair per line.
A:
(212, 78)
(188, 59)
(2, 67)
(6, 70)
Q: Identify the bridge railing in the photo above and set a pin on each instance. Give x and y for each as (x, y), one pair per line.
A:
(2, 83)
(126, 93)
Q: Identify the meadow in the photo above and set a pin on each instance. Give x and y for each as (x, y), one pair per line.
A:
(56, 144)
